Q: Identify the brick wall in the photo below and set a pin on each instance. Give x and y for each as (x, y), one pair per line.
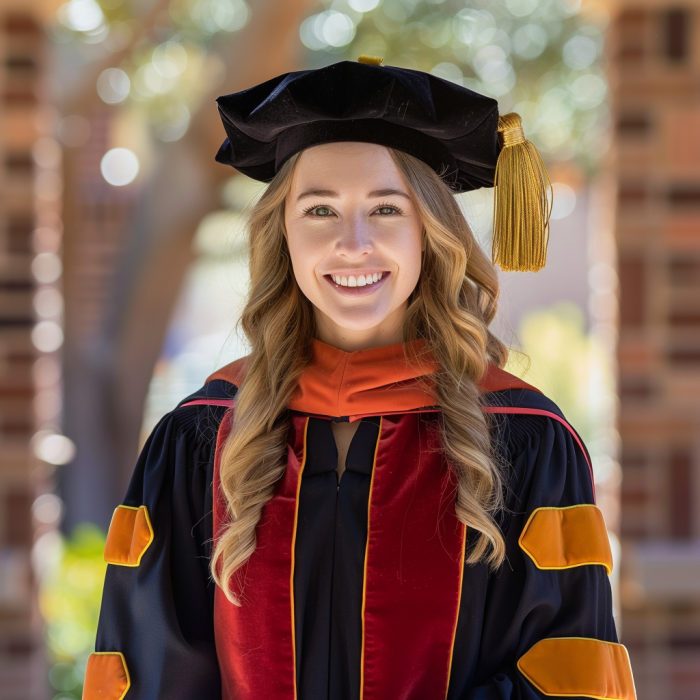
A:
(655, 58)
(30, 320)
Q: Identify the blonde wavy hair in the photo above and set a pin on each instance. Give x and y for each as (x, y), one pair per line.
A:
(451, 308)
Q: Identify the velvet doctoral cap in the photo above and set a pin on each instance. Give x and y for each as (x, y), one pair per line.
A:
(452, 129)
(457, 132)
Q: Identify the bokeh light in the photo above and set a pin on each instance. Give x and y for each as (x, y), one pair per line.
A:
(363, 5)
(53, 448)
(564, 200)
(74, 130)
(47, 509)
(119, 166)
(46, 152)
(47, 268)
(82, 15)
(529, 41)
(47, 336)
(113, 85)
(174, 122)
(517, 52)
(327, 29)
(48, 302)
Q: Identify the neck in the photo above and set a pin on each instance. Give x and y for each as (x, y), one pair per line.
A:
(388, 332)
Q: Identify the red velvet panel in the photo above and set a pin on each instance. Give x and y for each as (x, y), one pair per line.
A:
(255, 642)
(414, 565)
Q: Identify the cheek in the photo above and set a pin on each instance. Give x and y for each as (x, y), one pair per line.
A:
(410, 260)
(305, 251)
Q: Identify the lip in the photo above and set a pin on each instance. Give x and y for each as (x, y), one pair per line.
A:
(356, 291)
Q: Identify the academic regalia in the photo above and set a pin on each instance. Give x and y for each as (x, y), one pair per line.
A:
(359, 589)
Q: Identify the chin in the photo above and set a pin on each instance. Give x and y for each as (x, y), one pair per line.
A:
(359, 320)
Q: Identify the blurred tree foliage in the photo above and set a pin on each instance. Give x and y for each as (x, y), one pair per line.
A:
(70, 595)
(570, 367)
(541, 58)
(161, 54)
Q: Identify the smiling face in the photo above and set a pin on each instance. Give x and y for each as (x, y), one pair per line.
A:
(354, 237)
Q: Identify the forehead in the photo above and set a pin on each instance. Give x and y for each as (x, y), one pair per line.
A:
(342, 165)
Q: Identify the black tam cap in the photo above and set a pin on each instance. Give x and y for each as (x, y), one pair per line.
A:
(451, 128)
(457, 132)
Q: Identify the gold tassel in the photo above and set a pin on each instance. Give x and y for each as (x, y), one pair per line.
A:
(522, 206)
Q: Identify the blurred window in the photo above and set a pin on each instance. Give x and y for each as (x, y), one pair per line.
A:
(18, 235)
(19, 164)
(632, 25)
(632, 193)
(21, 23)
(635, 389)
(684, 270)
(681, 493)
(634, 125)
(684, 195)
(677, 34)
(632, 291)
(684, 357)
(22, 65)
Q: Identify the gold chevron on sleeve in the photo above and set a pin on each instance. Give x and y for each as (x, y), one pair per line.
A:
(562, 538)
(130, 534)
(579, 667)
(106, 676)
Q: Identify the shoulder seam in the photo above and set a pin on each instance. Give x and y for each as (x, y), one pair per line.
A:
(517, 410)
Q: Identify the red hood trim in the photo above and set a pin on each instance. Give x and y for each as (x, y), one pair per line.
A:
(379, 381)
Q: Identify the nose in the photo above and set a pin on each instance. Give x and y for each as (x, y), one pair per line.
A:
(354, 238)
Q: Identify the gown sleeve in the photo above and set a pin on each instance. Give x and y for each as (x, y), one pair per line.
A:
(155, 637)
(547, 627)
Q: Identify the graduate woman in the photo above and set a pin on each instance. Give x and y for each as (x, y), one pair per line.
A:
(366, 506)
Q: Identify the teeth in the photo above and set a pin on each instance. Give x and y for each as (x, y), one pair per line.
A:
(359, 281)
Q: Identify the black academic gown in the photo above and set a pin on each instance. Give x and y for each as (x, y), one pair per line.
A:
(159, 614)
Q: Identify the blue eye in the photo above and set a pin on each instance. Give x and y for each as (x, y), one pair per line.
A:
(321, 211)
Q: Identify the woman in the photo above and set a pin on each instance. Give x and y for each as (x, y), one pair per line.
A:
(381, 512)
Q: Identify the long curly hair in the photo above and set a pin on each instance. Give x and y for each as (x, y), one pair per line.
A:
(451, 308)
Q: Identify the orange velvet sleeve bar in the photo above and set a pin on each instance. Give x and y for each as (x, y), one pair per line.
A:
(576, 666)
(130, 534)
(106, 677)
(561, 538)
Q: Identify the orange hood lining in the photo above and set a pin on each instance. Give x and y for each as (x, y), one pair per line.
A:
(388, 379)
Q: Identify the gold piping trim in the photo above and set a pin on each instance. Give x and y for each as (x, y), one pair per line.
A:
(459, 603)
(364, 575)
(608, 568)
(291, 575)
(119, 654)
(581, 695)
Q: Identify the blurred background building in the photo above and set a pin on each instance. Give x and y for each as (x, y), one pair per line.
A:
(123, 268)
(655, 51)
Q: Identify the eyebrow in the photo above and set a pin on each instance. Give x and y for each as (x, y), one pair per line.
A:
(387, 193)
(318, 193)
(334, 195)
